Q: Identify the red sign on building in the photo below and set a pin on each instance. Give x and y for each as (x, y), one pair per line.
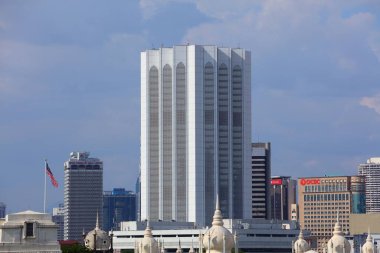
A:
(309, 181)
(276, 181)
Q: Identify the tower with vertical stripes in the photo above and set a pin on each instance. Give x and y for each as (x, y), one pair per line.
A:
(195, 133)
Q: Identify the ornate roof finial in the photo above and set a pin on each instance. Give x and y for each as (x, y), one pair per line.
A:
(369, 237)
(217, 219)
(148, 230)
(300, 236)
(337, 227)
(97, 220)
(337, 216)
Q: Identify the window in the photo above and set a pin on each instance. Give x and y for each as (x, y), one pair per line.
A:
(29, 229)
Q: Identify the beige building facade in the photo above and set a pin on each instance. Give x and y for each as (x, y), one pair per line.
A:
(360, 223)
(321, 199)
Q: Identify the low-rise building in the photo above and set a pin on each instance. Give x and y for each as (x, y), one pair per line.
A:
(29, 232)
(253, 235)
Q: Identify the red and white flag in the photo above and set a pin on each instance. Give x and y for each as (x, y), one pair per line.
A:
(50, 174)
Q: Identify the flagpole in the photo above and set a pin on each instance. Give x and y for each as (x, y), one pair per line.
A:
(45, 188)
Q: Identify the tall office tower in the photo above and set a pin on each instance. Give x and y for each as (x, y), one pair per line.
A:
(118, 205)
(261, 174)
(138, 198)
(83, 194)
(282, 196)
(2, 210)
(321, 198)
(371, 171)
(58, 218)
(195, 132)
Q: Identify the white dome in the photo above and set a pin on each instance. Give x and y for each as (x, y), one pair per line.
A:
(218, 237)
(301, 246)
(148, 244)
(103, 241)
(369, 246)
(337, 243)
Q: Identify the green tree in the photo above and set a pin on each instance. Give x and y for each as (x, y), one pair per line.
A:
(75, 248)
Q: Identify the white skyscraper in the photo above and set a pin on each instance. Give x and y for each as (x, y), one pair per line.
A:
(195, 133)
(371, 171)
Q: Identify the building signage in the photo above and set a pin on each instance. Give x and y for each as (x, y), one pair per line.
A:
(276, 181)
(310, 181)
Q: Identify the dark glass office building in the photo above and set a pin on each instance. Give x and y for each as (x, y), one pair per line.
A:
(118, 205)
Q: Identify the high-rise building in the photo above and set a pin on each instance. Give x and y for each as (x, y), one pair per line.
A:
(83, 194)
(138, 198)
(58, 218)
(118, 205)
(3, 208)
(195, 133)
(261, 172)
(321, 199)
(282, 196)
(371, 171)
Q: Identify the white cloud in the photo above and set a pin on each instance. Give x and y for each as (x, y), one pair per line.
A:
(371, 102)
(149, 8)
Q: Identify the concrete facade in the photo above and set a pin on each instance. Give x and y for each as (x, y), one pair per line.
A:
(360, 223)
(29, 232)
(83, 194)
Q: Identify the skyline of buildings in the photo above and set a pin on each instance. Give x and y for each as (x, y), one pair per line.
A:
(83, 194)
(219, 146)
(195, 132)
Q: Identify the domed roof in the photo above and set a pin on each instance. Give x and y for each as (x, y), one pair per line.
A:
(369, 246)
(148, 244)
(301, 246)
(337, 243)
(101, 237)
(218, 237)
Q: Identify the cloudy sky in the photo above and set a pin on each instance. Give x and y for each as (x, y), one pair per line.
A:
(69, 80)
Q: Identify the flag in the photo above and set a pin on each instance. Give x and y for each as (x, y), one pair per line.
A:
(50, 174)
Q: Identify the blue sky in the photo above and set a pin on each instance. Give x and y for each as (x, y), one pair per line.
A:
(69, 80)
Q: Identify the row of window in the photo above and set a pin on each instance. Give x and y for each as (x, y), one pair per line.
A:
(332, 221)
(326, 188)
(326, 204)
(326, 212)
(326, 197)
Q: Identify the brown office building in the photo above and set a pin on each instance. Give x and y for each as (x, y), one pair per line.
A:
(321, 198)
